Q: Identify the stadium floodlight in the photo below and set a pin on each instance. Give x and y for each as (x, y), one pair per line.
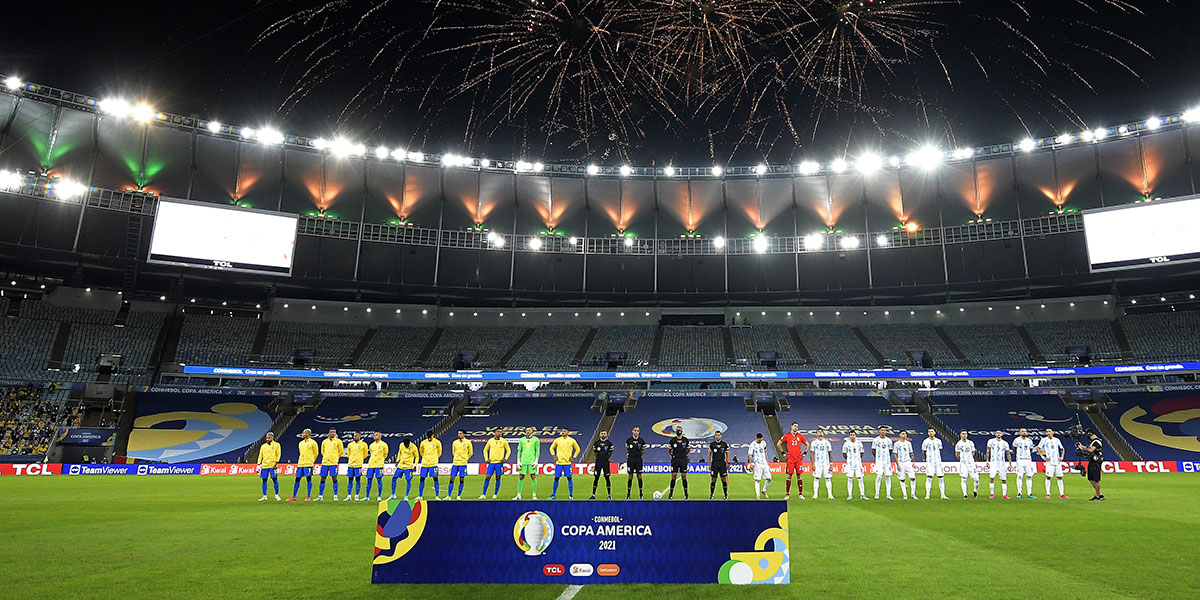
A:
(814, 241)
(1191, 115)
(719, 242)
(142, 113)
(895, 161)
(11, 180)
(13, 82)
(416, 156)
(498, 242)
(1063, 138)
(1100, 133)
(760, 169)
(537, 166)
(669, 171)
(882, 240)
(963, 153)
(849, 242)
(399, 154)
(1153, 123)
(485, 163)
(1087, 136)
(381, 153)
(522, 166)
(269, 136)
(339, 146)
(839, 165)
(117, 107)
(592, 169)
(809, 167)
(68, 190)
(214, 126)
(1123, 130)
(572, 240)
(535, 244)
(1026, 145)
(626, 170)
(717, 170)
(868, 163)
(911, 227)
(450, 160)
(360, 149)
(927, 158)
(628, 242)
(761, 243)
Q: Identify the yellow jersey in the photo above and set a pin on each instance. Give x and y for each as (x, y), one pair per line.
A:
(308, 453)
(356, 452)
(331, 451)
(379, 452)
(564, 449)
(406, 456)
(431, 451)
(268, 455)
(462, 450)
(496, 451)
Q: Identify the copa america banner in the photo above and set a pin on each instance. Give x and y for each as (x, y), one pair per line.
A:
(735, 542)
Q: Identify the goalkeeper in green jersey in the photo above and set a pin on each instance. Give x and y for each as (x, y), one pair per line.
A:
(529, 448)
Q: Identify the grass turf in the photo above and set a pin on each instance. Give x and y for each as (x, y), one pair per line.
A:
(183, 537)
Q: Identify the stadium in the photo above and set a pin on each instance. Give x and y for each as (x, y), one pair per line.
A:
(177, 288)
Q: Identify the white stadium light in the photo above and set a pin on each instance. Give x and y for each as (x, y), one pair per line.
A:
(498, 242)
(537, 166)
(628, 242)
(1100, 133)
(523, 166)
(868, 163)
(814, 241)
(320, 143)
(1191, 115)
(416, 156)
(142, 113)
(13, 82)
(1087, 136)
(1026, 145)
(718, 242)
(11, 180)
(849, 242)
(67, 189)
(214, 126)
(669, 171)
(839, 165)
(809, 167)
(399, 154)
(269, 136)
(340, 147)
(535, 244)
(1123, 130)
(381, 152)
(761, 243)
(716, 171)
(1153, 123)
(485, 163)
(573, 240)
(592, 169)
(926, 158)
(760, 169)
(1063, 139)
(116, 107)
(962, 153)
(895, 161)
(882, 240)
(626, 170)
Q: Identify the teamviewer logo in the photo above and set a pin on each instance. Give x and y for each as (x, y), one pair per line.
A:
(74, 470)
(143, 469)
(1190, 466)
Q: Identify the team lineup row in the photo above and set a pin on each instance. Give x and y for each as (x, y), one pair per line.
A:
(423, 458)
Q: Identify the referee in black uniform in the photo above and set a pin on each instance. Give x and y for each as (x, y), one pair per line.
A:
(679, 461)
(1095, 450)
(718, 451)
(634, 447)
(603, 450)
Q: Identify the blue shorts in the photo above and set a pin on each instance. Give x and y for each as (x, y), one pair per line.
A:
(496, 469)
(405, 473)
(375, 473)
(303, 471)
(458, 471)
(329, 470)
(429, 471)
(353, 471)
(265, 473)
(562, 470)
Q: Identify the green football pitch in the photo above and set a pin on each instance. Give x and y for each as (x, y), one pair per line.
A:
(191, 537)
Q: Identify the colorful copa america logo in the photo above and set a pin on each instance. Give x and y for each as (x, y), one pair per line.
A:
(362, 416)
(693, 427)
(533, 532)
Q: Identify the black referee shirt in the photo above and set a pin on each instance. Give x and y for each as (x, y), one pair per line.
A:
(634, 447)
(679, 447)
(603, 450)
(720, 451)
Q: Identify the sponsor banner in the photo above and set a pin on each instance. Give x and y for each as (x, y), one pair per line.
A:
(81, 436)
(862, 375)
(36, 468)
(582, 542)
(228, 469)
(142, 469)
(166, 389)
(1188, 466)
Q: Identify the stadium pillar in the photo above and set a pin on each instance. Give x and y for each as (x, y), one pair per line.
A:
(192, 167)
(512, 258)
(90, 177)
(437, 249)
(939, 199)
(725, 232)
(796, 236)
(867, 229)
(587, 213)
(1187, 159)
(1020, 221)
(655, 192)
(362, 217)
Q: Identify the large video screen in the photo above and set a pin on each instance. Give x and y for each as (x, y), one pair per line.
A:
(1162, 232)
(218, 237)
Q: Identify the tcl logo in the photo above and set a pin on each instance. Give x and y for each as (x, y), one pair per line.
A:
(608, 570)
(553, 570)
(581, 570)
(222, 263)
(30, 469)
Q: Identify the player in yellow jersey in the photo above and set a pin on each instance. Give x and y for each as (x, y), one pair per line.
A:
(378, 453)
(461, 450)
(332, 451)
(564, 449)
(406, 458)
(356, 453)
(268, 457)
(431, 451)
(495, 452)
(304, 465)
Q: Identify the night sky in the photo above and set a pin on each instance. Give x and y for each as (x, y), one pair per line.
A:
(203, 61)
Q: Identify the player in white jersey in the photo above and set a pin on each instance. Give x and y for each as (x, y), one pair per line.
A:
(964, 450)
(1023, 452)
(904, 464)
(1052, 452)
(852, 451)
(760, 465)
(931, 448)
(881, 448)
(822, 455)
(998, 454)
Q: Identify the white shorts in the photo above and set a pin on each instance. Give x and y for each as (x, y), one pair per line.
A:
(967, 470)
(822, 471)
(762, 471)
(934, 469)
(1026, 467)
(854, 470)
(995, 468)
(884, 469)
(906, 469)
(1054, 469)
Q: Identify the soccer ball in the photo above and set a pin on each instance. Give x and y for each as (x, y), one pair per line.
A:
(657, 495)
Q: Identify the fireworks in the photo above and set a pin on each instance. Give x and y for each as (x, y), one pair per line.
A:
(749, 78)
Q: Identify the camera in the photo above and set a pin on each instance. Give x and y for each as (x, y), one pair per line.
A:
(1077, 433)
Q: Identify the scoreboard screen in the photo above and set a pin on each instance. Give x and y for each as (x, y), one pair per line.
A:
(212, 236)
(1162, 232)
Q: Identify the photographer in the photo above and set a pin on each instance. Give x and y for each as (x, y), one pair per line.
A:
(1095, 458)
